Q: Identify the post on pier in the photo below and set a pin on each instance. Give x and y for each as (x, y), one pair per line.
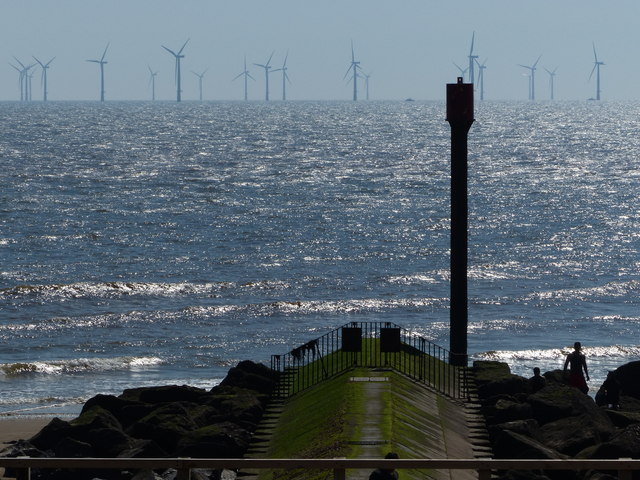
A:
(460, 118)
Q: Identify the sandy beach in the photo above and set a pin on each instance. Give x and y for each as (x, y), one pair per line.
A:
(16, 428)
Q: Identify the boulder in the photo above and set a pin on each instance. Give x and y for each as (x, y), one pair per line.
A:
(528, 428)
(509, 444)
(223, 440)
(571, 435)
(251, 376)
(495, 378)
(621, 418)
(627, 376)
(557, 401)
(507, 411)
(164, 394)
(625, 444)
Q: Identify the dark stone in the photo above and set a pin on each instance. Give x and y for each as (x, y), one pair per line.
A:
(223, 440)
(50, 434)
(164, 394)
(165, 426)
(628, 377)
(625, 444)
(622, 418)
(528, 428)
(560, 401)
(571, 435)
(71, 448)
(507, 411)
(143, 449)
(126, 411)
(252, 376)
(509, 444)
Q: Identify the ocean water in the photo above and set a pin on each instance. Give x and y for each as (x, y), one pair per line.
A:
(161, 243)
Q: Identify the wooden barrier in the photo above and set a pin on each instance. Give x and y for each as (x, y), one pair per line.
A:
(484, 467)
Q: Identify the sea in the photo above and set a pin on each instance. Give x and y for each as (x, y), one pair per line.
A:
(153, 243)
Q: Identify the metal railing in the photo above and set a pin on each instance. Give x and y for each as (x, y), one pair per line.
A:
(22, 466)
(372, 345)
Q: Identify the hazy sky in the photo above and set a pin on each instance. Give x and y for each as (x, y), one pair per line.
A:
(408, 46)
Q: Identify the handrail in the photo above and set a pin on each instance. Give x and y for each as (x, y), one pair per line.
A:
(369, 344)
(484, 466)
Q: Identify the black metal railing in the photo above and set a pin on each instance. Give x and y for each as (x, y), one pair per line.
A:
(370, 345)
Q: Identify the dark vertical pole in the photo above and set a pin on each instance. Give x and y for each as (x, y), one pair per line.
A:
(460, 118)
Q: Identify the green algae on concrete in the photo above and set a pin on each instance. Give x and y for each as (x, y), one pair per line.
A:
(365, 413)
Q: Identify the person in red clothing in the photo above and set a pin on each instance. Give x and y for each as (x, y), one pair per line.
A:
(577, 363)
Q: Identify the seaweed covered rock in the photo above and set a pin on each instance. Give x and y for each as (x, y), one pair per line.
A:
(163, 421)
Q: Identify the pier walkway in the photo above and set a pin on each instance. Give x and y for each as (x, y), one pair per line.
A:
(382, 411)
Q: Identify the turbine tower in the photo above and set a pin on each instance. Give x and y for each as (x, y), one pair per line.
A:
(472, 60)
(267, 68)
(532, 70)
(177, 56)
(366, 84)
(596, 68)
(354, 66)
(551, 78)
(285, 77)
(102, 62)
(481, 67)
(152, 83)
(45, 67)
(246, 75)
(200, 76)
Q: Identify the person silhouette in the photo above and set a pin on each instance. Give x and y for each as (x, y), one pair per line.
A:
(577, 363)
(384, 473)
(537, 382)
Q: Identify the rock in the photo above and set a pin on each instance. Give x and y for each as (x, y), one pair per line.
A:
(554, 402)
(495, 378)
(164, 394)
(625, 444)
(165, 426)
(628, 375)
(622, 418)
(125, 411)
(571, 435)
(251, 376)
(223, 440)
(507, 411)
(528, 428)
(513, 445)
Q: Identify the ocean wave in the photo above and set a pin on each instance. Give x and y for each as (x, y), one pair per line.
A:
(77, 365)
(557, 354)
(612, 289)
(113, 289)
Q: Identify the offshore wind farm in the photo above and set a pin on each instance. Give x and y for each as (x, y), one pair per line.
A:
(414, 64)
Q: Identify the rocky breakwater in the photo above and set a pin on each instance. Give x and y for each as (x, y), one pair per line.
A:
(152, 422)
(558, 421)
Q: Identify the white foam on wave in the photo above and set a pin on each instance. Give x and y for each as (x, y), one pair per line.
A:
(78, 365)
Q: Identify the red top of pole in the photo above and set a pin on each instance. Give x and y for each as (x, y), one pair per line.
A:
(460, 102)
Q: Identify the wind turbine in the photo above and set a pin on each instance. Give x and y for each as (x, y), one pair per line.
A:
(354, 66)
(177, 56)
(200, 76)
(102, 62)
(45, 67)
(463, 71)
(246, 75)
(532, 69)
(285, 77)
(551, 78)
(481, 67)
(23, 79)
(266, 67)
(596, 68)
(472, 59)
(366, 83)
(152, 82)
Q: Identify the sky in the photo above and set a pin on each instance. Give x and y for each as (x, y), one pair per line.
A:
(407, 46)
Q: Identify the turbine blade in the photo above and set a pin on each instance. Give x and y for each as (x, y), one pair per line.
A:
(39, 62)
(593, 70)
(534, 65)
(47, 64)
(285, 59)
(473, 37)
(105, 52)
(185, 44)
(595, 55)
(269, 61)
(170, 51)
(21, 64)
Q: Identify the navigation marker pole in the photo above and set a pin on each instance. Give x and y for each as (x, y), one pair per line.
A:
(460, 118)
